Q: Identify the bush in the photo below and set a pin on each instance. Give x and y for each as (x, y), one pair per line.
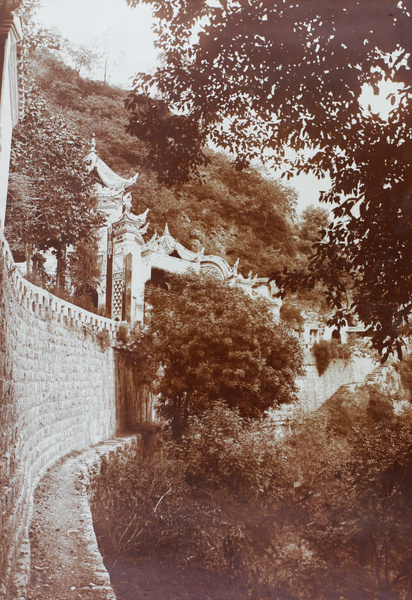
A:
(223, 451)
(323, 355)
(405, 371)
(294, 518)
(325, 351)
(291, 315)
(136, 504)
(197, 502)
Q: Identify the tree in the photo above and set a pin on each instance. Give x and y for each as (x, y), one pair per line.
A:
(84, 58)
(175, 148)
(34, 35)
(312, 221)
(260, 76)
(210, 342)
(50, 204)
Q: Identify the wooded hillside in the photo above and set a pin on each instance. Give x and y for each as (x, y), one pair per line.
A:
(230, 213)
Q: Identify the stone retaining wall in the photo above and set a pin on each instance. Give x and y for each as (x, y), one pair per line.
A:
(315, 389)
(57, 395)
(63, 389)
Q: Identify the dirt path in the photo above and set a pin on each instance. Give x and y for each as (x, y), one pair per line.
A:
(65, 561)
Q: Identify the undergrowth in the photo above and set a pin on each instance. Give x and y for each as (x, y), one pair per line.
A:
(284, 518)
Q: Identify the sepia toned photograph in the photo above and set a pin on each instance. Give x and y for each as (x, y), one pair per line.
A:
(205, 300)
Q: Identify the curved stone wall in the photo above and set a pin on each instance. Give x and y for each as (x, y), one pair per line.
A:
(58, 395)
(63, 389)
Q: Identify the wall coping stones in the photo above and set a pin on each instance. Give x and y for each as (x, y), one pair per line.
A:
(48, 306)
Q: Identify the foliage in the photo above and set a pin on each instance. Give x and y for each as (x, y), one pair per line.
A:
(104, 339)
(323, 355)
(326, 351)
(380, 408)
(50, 204)
(130, 512)
(178, 504)
(315, 514)
(84, 272)
(222, 451)
(291, 316)
(174, 143)
(145, 508)
(312, 221)
(355, 519)
(377, 474)
(84, 58)
(405, 371)
(209, 341)
(35, 37)
(262, 76)
(232, 214)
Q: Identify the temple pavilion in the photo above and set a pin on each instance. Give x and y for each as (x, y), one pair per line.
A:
(129, 263)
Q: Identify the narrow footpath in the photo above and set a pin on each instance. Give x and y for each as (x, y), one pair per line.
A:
(65, 560)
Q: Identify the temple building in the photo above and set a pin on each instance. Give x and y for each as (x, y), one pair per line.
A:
(128, 262)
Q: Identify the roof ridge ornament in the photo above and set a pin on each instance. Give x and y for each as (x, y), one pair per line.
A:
(144, 229)
(126, 202)
(143, 216)
(109, 181)
(133, 179)
(235, 267)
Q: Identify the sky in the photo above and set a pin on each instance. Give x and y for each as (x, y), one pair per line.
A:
(110, 26)
(106, 25)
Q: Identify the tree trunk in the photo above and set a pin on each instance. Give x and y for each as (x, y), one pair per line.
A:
(29, 255)
(61, 269)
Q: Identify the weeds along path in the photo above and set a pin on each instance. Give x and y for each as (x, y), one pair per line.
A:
(65, 560)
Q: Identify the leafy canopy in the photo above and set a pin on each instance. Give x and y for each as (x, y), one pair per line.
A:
(209, 342)
(231, 214)
(51, 203)
(259, 76)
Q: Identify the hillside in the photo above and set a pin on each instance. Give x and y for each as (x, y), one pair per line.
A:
(230, 213)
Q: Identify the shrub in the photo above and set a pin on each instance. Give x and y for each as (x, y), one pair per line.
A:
(325, 351)
(104, 339)
(294, 518)
(323, 355)
(291, 315)
(200, 501)
(223, 451)
(405, 371)
(380, 407)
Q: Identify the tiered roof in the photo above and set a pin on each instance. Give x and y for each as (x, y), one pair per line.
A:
(110, 184)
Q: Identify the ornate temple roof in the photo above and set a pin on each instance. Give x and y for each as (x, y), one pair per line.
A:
(163, 249)
(111, 184)
(167, 245)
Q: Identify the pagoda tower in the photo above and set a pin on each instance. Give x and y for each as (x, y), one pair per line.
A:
(128, 263)
(126, 271)
(121, 287)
